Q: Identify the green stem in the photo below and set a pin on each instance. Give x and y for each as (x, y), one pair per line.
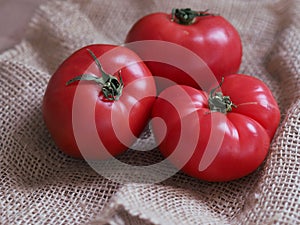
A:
(187, 16)
(218, 102)
(111, 86)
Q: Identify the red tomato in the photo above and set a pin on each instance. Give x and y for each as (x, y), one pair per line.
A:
(110, 104)
(209, 36)
(220, 136)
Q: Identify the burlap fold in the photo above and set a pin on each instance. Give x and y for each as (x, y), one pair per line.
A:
(41, 185)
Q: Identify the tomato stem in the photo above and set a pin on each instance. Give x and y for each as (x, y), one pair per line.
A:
(111, 86)
(187, 16)
(218, 102)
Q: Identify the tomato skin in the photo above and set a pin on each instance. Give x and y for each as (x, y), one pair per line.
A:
(211, 37)
(133, 106)
(254, 99)
(228, 146)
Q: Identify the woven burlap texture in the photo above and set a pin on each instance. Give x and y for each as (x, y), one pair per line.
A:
(41, 185)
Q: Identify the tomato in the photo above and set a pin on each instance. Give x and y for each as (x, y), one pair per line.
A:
(217, 136)
(98, 101)
(211, 37)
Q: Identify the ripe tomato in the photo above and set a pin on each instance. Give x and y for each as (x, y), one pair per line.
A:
(100, 92)
(220, 136)
(209, 36)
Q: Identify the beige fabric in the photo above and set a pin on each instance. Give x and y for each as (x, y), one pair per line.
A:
(40, 185)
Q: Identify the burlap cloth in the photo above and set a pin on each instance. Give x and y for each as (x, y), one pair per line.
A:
(40, 185)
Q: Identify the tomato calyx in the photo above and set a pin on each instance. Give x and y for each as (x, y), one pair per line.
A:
(111, 86)
(187, 16)
(217, 102)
